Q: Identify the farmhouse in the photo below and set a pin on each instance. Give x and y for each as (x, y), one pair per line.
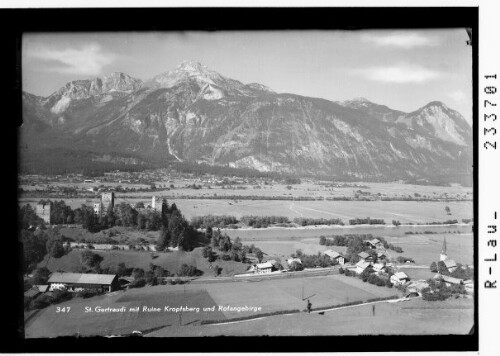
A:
(379, 268)
(449, 280)
(335, 256)
(399, 278)
(451, 265)
(381, 256)
(361, 266)
(79, 281)
(374, 243)
(265, 267)
(418, 286)
(365, 257)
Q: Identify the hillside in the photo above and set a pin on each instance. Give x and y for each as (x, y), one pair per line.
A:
(194, 114)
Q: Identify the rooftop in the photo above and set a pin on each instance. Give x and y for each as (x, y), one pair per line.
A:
(81, 278)
(401, 275)
(264, 265)
(363, 254)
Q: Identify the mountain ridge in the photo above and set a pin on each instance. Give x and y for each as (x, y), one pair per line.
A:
(194, 114)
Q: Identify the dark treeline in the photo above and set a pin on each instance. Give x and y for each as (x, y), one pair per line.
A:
(213, 221)
(55, 161)
(368, 221)
(263, 221)
(312, 221)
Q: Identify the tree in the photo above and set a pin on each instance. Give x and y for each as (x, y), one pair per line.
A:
(91, 260)
(139, 205)
(434, 267)
(34, 249)
(187, 270)
(164, 239)
(295, 266)
(141, 221)
(442, 269)
(322, 240)
(138, 273)
(56, 248)
(121, 270)
(259, 254)
(41, 275)
(217, 270)
(447, 209)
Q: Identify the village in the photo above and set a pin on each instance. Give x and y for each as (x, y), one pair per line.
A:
(373, 264)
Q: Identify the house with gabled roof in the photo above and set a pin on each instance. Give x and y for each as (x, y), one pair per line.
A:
(75, 282)
(399, 278)
(451, 265)
(335, 256)
(265, 267)
(374, 243)
(365, 257)
(361, 266)
(379, 268)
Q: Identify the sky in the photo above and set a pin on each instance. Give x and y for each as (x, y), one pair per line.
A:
(403, 69)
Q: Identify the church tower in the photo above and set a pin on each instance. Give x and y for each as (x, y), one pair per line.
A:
(443, 256)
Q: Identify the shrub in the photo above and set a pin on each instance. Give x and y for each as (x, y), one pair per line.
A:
(137, 283)
(61, 295)
(187, 270)
(41, 302)
(87, 293)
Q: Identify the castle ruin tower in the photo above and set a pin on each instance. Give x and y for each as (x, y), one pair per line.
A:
(156, 203)
(443, 256)
(107, 200)
(43, 211)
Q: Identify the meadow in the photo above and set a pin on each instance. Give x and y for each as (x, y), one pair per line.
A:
(414, 317)
(171, 261)
(269, 295)
(404, 211)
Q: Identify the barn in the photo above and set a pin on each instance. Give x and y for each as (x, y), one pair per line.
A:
(75, 282)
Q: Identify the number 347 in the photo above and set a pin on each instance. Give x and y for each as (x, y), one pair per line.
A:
(63, 309)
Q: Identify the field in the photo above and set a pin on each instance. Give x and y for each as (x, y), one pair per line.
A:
(404, 211)
(49, 323)
(425, 249)
(171, 261)
(269, 295)
(414, 317)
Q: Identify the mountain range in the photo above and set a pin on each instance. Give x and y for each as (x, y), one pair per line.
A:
(194, 114)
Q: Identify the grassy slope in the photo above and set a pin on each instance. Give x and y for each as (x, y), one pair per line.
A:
(271, 296)
(415, 317)
(170, 261)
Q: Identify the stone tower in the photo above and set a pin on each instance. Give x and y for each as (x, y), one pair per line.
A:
(107, 199)
(443, 256)
(156, 203)
(43, 211)
(98, 208)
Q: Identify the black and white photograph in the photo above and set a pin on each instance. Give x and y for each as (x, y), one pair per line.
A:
(237, 181)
